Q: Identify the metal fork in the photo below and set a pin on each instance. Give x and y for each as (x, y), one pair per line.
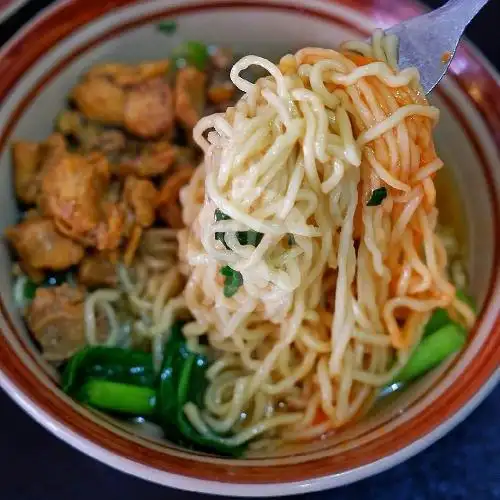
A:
(428, 42)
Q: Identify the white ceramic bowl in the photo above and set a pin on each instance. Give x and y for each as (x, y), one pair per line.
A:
(45, 60)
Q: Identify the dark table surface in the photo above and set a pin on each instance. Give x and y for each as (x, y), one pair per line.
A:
(465, 464)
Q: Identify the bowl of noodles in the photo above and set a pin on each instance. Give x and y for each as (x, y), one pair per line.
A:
(242, 252)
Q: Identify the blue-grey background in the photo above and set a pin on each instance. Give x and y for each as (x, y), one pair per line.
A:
(465, 464)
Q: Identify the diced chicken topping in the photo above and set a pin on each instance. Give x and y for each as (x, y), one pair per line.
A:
(40, 246)
(140, 196)
(56, 319)
(100, 99)
(96, 271)
(190, 90)
(149, 109)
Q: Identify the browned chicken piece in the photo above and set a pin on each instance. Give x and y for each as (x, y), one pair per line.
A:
(108, 233)
(72, 191)
(185, 155)
(29, 159)
(130, 74)
(40, 246)
(100, 99)
(153, 160)
(169, 208)
(140, 196)
(54, 148)
(56, 319)
(90, 136)
(149, 109)
(110, 142)
(97, 270)
(26, 157)
(35, 275)
(220, 93)
(189, 96)
(70, 122)
(222, 58)
(132, 245)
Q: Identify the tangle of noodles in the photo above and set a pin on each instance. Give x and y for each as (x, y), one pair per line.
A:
(335, 295)
(148, 293)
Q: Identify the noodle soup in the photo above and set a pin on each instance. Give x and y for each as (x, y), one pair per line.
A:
(244, 264)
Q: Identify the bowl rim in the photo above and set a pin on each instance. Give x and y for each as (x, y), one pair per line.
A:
(51, 420)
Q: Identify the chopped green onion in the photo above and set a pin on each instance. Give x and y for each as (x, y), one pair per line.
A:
(30, 290)
(167, 27)
(191, 53)
(431, 351)
(377, 197)
(117, 397)
(233, 281)
(249, 237)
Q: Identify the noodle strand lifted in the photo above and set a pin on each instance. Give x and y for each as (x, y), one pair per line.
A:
(334, 295)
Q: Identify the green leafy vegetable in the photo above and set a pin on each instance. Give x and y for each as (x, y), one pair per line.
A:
(233, 280)
(29, 289)
(167, 27)
(123, 381)
(112, 364)
(441, 337)
(191, 53)
(183, 380)
(377, 197)
(438, 319)
(432, 350)
(249, 237)
(117, 397)
(440, 316)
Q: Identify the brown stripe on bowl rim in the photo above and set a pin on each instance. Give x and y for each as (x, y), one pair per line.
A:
(60, 22)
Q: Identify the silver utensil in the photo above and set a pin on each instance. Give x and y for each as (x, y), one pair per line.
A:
(428, 42)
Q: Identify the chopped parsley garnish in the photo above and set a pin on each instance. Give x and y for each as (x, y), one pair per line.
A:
(191, 53)
(249, 237)
(232, 280)
(377, 197)
(167, 27)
